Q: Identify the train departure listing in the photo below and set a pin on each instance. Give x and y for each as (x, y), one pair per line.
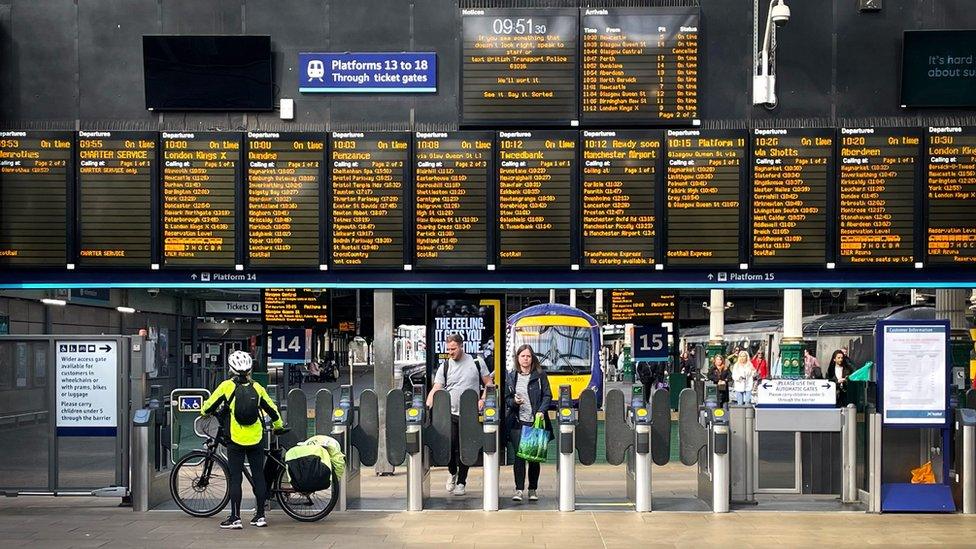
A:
(640, 64)
(451, 174)
(705, 173)
(35, 171)
(285, 175)
(876, 206)
(536, 172)
(791, 176)
(519, 65)
(201, 175)
(117, 174)
(295, 307)
(619, 182)
(950, 157)
(642, 306)
(368, 174)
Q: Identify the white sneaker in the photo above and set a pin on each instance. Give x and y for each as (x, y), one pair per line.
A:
(451, 483)
(517, 496)
(459, 490)
(533, 496)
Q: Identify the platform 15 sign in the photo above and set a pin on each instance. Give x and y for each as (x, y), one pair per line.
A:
(650, 343)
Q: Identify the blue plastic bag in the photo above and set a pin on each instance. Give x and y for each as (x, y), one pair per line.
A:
(534, 442)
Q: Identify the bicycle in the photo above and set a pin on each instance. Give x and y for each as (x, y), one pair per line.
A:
(199, 480)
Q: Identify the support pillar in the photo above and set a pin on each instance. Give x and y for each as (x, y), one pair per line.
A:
(382, 366)
(791, 347)
(572, 298)
(716, 326)
(552, 296)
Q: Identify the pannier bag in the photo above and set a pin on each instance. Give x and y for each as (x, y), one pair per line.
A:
(310, 463)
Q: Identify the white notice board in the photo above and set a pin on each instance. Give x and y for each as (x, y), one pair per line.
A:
(87, 388)
(914, 372)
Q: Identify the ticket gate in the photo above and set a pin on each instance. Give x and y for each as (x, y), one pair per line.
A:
(356, 429)
(704, 435)
(638, 435)
(490, 418)
(576, 440)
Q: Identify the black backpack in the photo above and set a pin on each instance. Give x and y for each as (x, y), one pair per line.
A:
(248, 403)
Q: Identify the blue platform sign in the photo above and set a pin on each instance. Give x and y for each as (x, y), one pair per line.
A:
(650, 343)
(289, 345)
(405, 72)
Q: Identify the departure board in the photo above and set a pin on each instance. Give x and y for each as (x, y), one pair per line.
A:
(285, 179)
(792, 171)
(451, 175)
(368, 175)
(640, 65)
(536, 177)
(519, 65)
(876, 204)
(704, 177)
(295, 307)
(35, 180)
(619, 181)
(117, 178)
(950, 158)
(201, 175)
(642, 306)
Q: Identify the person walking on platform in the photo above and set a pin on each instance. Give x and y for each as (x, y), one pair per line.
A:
(527, 397)
(811, 366)
(456, 375)
(762, 367)
(838, 370)
(242, 402)
(743, 378)
(721, 376)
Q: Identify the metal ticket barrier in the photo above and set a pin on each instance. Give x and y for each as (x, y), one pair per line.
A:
(489, 459)
(576, 440)
(705, 439)
(356, 429)
(628, 439)
(185, 406)
(964, 466)
(149, 482)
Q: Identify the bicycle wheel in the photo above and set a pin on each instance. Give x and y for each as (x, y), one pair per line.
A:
(199, 484)
(306, 507)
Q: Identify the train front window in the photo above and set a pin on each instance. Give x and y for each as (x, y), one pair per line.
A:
(560, 349)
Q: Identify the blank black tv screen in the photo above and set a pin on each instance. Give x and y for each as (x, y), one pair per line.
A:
(208, 73)
(939, 69)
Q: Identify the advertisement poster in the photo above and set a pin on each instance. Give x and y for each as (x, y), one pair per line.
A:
(914, 370)
(478, 319)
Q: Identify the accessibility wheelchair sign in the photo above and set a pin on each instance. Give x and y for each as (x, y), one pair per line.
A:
(189, 403)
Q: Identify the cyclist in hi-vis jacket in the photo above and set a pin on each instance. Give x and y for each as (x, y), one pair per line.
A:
(240, 393)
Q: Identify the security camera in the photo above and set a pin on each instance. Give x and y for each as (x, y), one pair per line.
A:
(153, 292)
(816, 293)
(836, 293)
(780, 14)
(586, 293)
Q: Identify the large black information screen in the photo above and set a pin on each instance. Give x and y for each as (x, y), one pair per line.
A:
(519, 65)
(876, 203)
(35, 174)
(642, 306)
(950, 158)
(640, 64)
(619, 182)
(705, 173)
(116, 181)
(451, 175)
(285, 177)
(368, 173)
(536, 175)
(295, 307)
(201, 175)
(792, 170)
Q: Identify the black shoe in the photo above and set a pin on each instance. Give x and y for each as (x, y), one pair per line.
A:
(232, 523)
(259, 521)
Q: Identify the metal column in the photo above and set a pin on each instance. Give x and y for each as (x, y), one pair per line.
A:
(720, 472)
(874, 463)
(567, 467)
(848, 437)
(490, 468)
(418, 476)
(383, 365)
(642, 470)
(969, 469)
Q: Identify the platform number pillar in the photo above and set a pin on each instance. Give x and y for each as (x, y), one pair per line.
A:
(791, 347)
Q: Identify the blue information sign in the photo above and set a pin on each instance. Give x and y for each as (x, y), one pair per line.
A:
(413, 72)
(289, 345)
(650, 343)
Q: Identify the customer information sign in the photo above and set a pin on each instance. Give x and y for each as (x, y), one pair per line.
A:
(914, 372)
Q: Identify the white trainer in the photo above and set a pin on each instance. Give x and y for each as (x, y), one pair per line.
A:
(459, 490)
(451, 483)
(517, 496)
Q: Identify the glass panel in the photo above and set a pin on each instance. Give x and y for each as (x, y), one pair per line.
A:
(25, 426)
(560, 349)
(777, 460)
(86, 462)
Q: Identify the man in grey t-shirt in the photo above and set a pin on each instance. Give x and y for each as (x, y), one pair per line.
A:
(463, 373)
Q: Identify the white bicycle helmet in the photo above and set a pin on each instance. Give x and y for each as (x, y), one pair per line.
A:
(240, 362)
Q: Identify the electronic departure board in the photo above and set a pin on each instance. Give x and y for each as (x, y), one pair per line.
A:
(792, 173)
(201, 175)
(536, 181)
(36, 168)
(640, 65)
(642, 306)
(285, 180)
(519, 65)
(619, 180)
(706, 170)
(451, 175)
(368, 177)
(950, 158)
(295, 306)
(117, 179)
(876, 206)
